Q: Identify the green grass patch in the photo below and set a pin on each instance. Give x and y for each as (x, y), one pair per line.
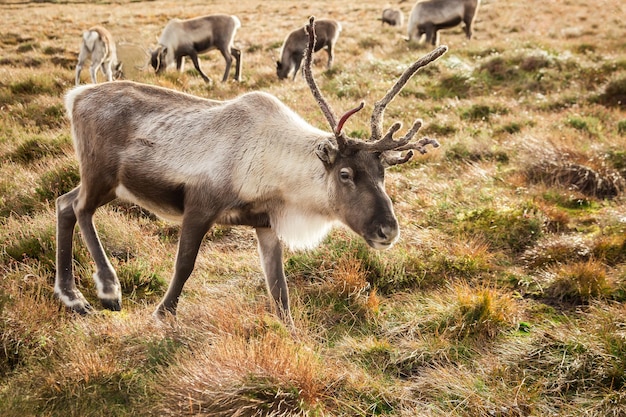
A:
(511, 229)
(58, 181)
(461, 151)
(38, 147)
(453, 86)
(483, 112)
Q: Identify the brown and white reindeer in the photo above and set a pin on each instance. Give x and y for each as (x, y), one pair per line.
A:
(292, 51)
(247, 161)
(98, 44)
(191, 37)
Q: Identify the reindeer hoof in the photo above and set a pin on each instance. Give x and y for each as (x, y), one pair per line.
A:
(161, 312)
(112, 304)
(83, 309)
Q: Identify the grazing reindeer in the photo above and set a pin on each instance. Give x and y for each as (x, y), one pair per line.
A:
(247, 161)
(191, 37)
(98, 44)
(393, 17)
(292, 51)
(429, 16)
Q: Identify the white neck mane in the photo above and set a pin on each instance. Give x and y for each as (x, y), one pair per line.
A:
(300, 230)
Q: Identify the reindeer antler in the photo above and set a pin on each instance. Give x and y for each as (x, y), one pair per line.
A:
(379, 107)
(308, 75)
(376, 142)
(342, 141)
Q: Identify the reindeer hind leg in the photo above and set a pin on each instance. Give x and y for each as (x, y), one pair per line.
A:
(64, 284)
(107, 71)
(93, 72)
(331, 56)
(236, 53)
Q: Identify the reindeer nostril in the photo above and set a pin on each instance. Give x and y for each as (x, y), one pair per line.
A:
(384, 232)
(387, 233)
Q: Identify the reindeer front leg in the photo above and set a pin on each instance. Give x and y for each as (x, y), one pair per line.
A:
(194, 58)
(107, 284)
(192, 232)
(271, 253)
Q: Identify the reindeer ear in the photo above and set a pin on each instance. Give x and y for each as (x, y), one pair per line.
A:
(327, 152)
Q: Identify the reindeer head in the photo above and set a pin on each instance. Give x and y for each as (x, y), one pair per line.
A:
(118, 71)
(356, 168)
(157, 58)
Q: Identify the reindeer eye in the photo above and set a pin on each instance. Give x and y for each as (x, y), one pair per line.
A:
(346, 174)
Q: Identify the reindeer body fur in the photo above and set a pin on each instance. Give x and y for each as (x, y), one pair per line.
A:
(429, 16)
(292, 50)
(98, 44)
(259, 170)
(191, 37)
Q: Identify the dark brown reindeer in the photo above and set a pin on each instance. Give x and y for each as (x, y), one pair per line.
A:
(247, 161)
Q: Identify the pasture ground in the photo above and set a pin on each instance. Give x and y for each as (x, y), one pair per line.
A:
(505, 296)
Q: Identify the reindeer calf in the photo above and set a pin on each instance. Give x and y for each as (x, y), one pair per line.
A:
(429, 16)
(98, 44)
(191, 37)
(292, 51)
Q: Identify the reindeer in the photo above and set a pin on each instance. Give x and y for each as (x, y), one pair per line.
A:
(98, 44)
(429, 16)
(393, 17)
(292, 51)
(246, 161)
(191, 37)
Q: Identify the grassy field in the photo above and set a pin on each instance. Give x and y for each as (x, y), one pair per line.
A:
(504, 297)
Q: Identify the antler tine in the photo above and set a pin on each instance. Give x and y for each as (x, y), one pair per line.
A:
(308, 75)
(420, 145)
(396, 158)
(346, 116)
(388, 143)
(379, 107)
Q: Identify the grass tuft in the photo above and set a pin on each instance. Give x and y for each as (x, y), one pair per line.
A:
(614, 94)
(482, 313)
(580, 282)
(235, 376)
(600, 182)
